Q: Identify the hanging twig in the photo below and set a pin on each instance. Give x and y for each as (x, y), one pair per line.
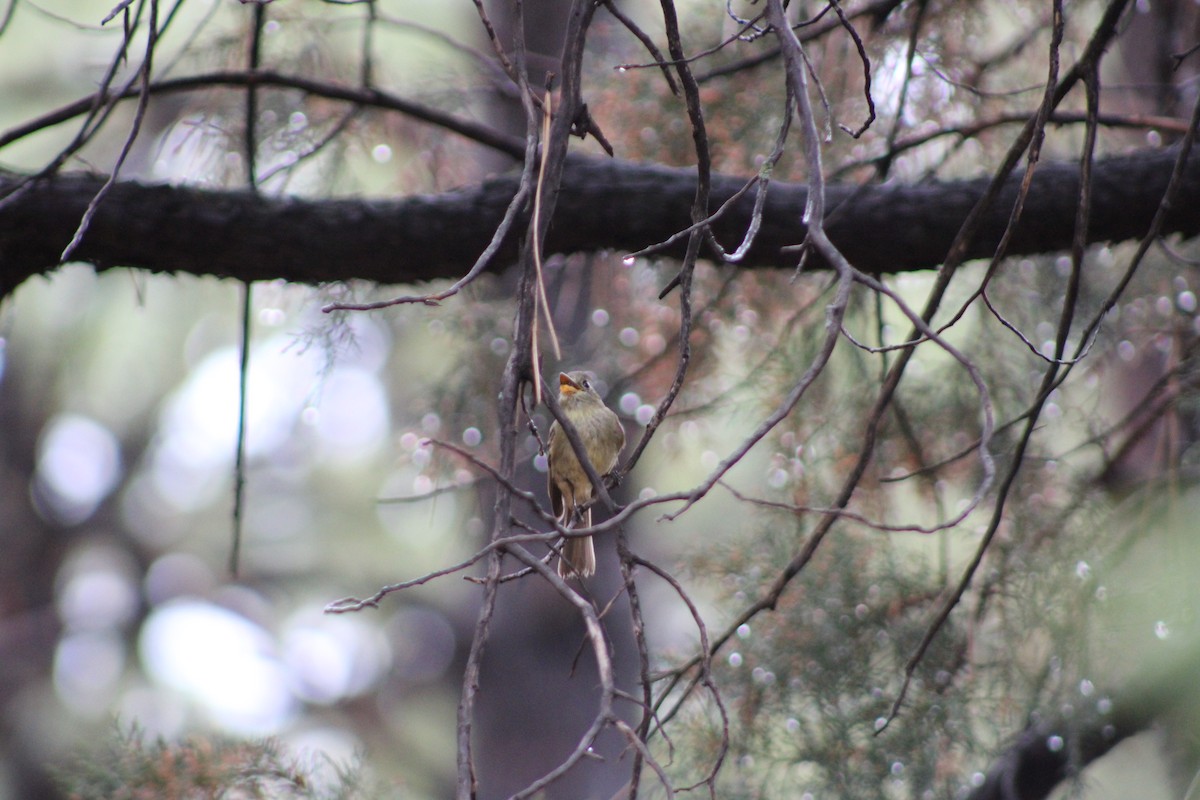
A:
(139, 117)
(646, 41)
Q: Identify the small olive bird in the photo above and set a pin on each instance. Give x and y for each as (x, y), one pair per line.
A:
(603, 437)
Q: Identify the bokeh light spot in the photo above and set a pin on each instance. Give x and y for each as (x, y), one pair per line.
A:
(222, 661)
(333, 658)
(79, 463)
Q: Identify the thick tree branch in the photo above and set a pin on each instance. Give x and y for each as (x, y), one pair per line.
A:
(603, 204)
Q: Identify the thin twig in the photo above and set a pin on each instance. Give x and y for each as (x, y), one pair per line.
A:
(763, 180)
(631, 26)
(139, 117)
(805, 32)
(683, 279)
(705, 676)
(675, 61)
(638, 623)
(884, 164)
(539, 188)
(509, 68)
(366, 97)
(866, 65)
(250, 146)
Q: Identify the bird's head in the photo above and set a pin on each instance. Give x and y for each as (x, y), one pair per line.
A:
(571, 384)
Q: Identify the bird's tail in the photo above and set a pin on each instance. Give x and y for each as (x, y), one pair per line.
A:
(578, 553)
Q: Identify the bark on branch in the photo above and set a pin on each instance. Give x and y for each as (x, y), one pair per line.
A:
(604, 204)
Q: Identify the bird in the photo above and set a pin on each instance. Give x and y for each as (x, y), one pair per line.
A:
(603, 438)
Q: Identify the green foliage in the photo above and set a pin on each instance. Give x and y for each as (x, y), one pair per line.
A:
(808, 685)
(125, 765)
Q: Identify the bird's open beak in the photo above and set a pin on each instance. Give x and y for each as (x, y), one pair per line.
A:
(566, 386)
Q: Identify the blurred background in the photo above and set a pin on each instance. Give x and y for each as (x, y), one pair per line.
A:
(118, 423)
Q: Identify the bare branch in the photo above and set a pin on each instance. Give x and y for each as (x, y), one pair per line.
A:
(361, 96)
(646, 41)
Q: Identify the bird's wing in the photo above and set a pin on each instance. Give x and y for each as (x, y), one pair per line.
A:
(556, 495)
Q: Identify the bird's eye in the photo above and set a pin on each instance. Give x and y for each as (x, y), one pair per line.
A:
(587, 384)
